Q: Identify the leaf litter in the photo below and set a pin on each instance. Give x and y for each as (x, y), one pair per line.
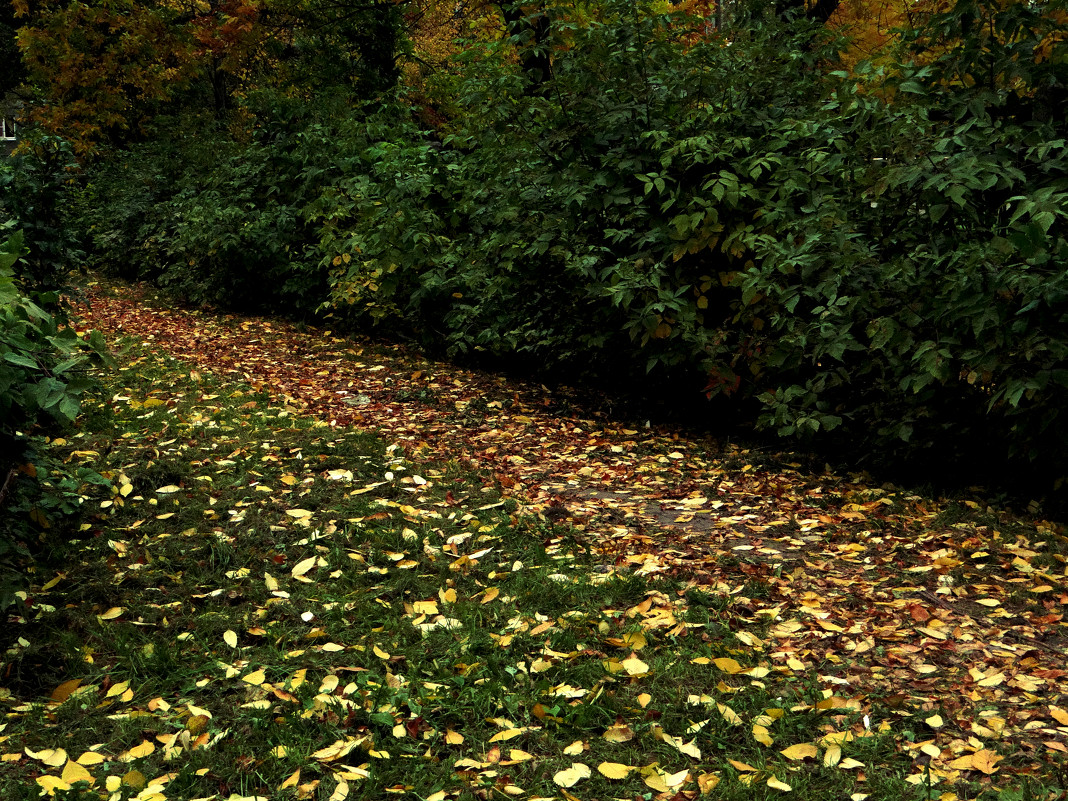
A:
(935, 625)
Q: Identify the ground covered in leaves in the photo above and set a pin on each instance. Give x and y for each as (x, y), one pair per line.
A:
(332, 569)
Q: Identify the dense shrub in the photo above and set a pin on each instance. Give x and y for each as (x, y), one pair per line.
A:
(41, 385)
(42, 359)
(214, 220)
(35, 187)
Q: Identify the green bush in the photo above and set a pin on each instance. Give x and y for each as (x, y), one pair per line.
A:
(214, 220)
(42, 381)
(908, 285)
(35, 188)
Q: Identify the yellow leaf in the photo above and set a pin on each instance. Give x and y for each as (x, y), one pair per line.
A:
(270, 581)
(517, 755)
(53, 757)
(935, 721)
(729, 714)
(800, 751)
(50, 784)
(654, 780)
(677, 779)
(1059, 715)
(762, 735)
(490, 594)
(453, 737)
(690, 749)
(111, 614)
(614, 770)
(775, 784)
(572, 776)
(727, 665)
(832, 756)
(742, 766)
(118, 689)
(91, 758)
(292, 781)
(380, 653)
(73, 772)
(707, 782)
(983, 761)
(137, 752)
(230, 638)
(303, 566)
(341, 792)
(299, 514)
(64, 690)
(255, 678)
(575, 748)
(644, 700)
(289, 481)
(507, 734)
(169, 489)
(635, 640)
(635, 666)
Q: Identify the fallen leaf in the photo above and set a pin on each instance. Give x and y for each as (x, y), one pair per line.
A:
(64, 690)
(635, 666)
(614, 770)
(256, 677)
(453, 737)
(138, 752)
(707, 782)
(801, 751)
(73, 772)
(507, 734)
(573, 775)
(53, 757)
(727, 665)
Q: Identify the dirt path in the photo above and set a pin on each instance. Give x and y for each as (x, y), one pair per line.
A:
(932, 606)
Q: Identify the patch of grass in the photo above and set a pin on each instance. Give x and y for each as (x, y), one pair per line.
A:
(268, 606)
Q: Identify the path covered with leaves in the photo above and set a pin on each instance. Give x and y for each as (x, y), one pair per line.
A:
(793, 632)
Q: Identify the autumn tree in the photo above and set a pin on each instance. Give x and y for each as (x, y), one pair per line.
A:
(106, 67)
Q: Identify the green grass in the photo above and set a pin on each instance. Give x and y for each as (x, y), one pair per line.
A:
(266, 606)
